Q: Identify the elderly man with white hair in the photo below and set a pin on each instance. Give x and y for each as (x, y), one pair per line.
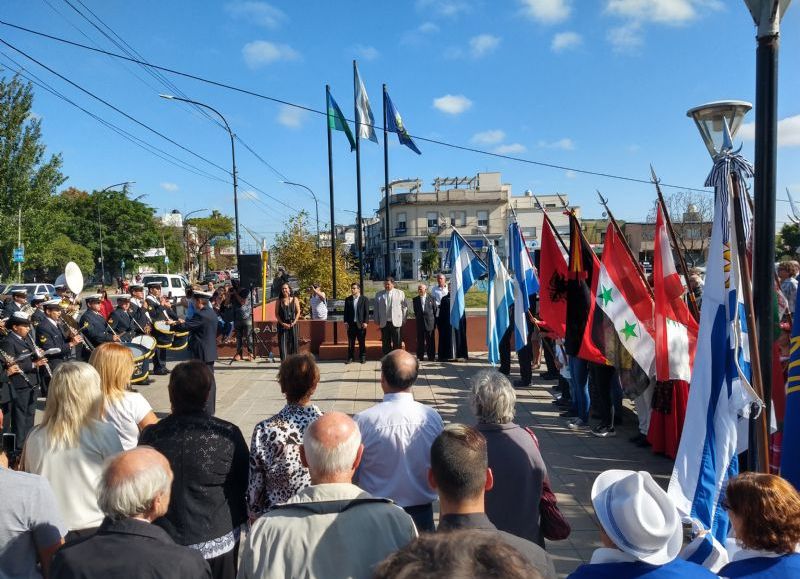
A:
(134, 490)
(331, 528)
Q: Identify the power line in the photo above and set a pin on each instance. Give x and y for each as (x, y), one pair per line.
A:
(324, 113)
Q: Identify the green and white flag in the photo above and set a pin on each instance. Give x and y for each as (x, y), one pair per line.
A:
(337, 121)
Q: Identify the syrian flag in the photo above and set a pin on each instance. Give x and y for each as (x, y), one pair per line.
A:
(525, 284)
(501, 296)
(467, 268)
(622, 320)
(553, 280)
(675, 328)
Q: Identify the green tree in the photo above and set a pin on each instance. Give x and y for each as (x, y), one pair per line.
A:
(430, 259)
(28, 178)
(787, 242)
(205, 232)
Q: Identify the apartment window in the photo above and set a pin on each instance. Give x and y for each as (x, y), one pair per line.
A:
(401, 221)
(433, 220)
(483, 219)
(529, 232)
(458, 218)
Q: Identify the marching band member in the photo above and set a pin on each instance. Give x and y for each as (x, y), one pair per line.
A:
(138, 310)
(50, 334)
(121, 320)
(202, 328)
(157, 313)
(19, 299)
(37, 316)
(94, 326)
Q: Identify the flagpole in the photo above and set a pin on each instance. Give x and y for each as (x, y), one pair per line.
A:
(386, 182)
(547, 218)
(604, 203)
(684, 269)
(358, 179)
(330, 186)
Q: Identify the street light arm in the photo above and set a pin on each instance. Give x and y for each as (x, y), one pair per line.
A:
(117, 185)
(303, 186)
(199, 104)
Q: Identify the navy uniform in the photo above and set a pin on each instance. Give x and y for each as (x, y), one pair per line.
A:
(156, 313)
(202, 328)
(24, 387)
(138, 312)
(12, 306)
(121, 321)
(49, 336)
(37, 316)
(93, 326)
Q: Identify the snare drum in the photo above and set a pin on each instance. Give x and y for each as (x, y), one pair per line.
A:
(180, 340)
(141, 361)
(149, 342)
(163, 335)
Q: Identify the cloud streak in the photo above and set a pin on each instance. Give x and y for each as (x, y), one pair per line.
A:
(483, 44)
(258, 13)
(788, 132)
(452, 104)
(262, 53)
(171, 187)
(291, 117)
(547, 11)
(564, 41)
(490, 137)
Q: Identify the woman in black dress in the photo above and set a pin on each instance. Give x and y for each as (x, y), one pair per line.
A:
(287, 310)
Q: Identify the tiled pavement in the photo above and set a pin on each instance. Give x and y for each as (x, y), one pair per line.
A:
(247, 392)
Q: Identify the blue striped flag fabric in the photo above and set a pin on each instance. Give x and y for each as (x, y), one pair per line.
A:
(526, 283)
(790, 453)
(466, 268)
(501, 296)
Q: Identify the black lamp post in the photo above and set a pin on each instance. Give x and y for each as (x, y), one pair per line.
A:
(316, 202)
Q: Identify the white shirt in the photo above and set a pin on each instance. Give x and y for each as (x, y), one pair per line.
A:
(397, 435)
(438, 293)
(125, 415)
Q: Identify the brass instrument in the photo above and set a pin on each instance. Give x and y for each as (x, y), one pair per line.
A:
(9, 361)
(40, 356)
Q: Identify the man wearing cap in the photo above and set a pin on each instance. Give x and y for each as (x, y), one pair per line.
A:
(640, 529)
(50, 337)
(157, 313)
(121, 320)
(137, 310)
(37, 316)
(18, 349)
(19, 298)
(202, 328)
(94, 325)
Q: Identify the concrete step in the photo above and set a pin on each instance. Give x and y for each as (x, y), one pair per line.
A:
(331, 351)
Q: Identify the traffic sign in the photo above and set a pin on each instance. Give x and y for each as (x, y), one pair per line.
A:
(19, 255)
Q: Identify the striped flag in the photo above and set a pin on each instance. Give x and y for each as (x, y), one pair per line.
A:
(790, 453)
(501, 296)
(720, 395)
(365, 121)
(466, 269)
(525, 283)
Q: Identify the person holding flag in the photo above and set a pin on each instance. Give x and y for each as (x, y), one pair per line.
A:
(501, 295)
(526, 286)
(466, 268)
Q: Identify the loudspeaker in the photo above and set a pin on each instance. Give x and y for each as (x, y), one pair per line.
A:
(250, 271)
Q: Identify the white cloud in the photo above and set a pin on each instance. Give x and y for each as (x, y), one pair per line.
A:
(566, 41)
(259, 13)
(483, 44)
(427, 28)
(291, 117)
(788, 132)
(171, 187)
(452, 104)
(363, 52)
(565, 144)
(570, 174)
(547, 11)
(417, 35)
(634, 148)
(261, 53)
(490, 137)
(627, 38)
(510, 149)
(671, 12)
(445, 8)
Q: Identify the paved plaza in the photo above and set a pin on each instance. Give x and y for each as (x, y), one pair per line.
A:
(248, 392)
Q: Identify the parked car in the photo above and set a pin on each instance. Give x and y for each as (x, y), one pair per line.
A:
(33, 289)
(172, 285)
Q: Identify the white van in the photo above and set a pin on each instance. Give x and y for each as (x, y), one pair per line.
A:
(172, 285)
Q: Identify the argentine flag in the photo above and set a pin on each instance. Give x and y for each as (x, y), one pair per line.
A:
(501, 295)
(466, 268)
(720, 393)
(526, 283)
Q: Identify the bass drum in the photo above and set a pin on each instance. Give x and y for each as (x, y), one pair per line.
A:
(180, 340)
(149, 342)
(141, 362)
(163, 335)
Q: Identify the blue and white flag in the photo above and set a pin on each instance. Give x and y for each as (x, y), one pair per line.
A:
(365, 122)
(720, 394)
(501, 296)
(526, 283)
(466, 269)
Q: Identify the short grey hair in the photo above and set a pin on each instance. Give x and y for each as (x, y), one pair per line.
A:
(326, 461)
(123, 498)
(492, 399)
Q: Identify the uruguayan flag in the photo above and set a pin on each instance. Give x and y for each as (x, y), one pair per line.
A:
(526, 283)
(501, 295)
(467, 268)
(720, 393)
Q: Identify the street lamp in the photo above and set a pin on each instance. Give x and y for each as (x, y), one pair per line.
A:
(100, 229)
(233, 162)
(711, 118)
(316, 202)
(186, 238)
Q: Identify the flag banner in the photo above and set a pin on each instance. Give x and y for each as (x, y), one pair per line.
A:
(675, 328)
(337, 121)
(466, 269)
(581, 287)
(501, 296)
(622, 319)
(720, 395)
(553, 280)
(365, 121)
(790, 453)
(525, 283)
(394, 123)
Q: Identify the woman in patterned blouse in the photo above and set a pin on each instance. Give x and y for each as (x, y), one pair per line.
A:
(276, 472)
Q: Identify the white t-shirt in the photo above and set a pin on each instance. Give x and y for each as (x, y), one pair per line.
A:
(74, 472)
(125, 415)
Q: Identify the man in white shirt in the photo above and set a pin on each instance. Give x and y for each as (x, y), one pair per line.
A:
(390, 313)
(397, 434)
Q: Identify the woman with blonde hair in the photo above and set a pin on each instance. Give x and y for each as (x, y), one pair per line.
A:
(126, 410)
(70, 445)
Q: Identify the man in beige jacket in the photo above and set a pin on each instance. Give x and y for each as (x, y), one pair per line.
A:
(390, 314)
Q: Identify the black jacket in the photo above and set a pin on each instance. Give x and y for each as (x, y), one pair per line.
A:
(23, 353)
(139, 316)
(94, 327)
(128, 548)
(48, 337)
(209, 459)
(351, 316)
(202, 328)
(425, 312)
(122, 322)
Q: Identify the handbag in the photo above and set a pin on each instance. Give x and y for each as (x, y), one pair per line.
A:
(552, 524)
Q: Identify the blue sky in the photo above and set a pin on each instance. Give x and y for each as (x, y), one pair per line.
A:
(600, 85)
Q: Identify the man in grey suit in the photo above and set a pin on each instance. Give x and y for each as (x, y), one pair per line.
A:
(390, 313)
(425, 314)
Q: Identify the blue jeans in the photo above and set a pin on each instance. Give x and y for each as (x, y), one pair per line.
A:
(579, 386)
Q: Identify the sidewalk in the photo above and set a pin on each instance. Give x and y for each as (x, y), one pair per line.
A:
(248, 392)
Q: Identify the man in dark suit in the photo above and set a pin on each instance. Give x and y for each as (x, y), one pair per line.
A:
(356, 316)
(94, 326)
(19, 298)
(121, 320)
(157, 313)
(202, 328)
(127, 544)
(425, 314)
(50, 337)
